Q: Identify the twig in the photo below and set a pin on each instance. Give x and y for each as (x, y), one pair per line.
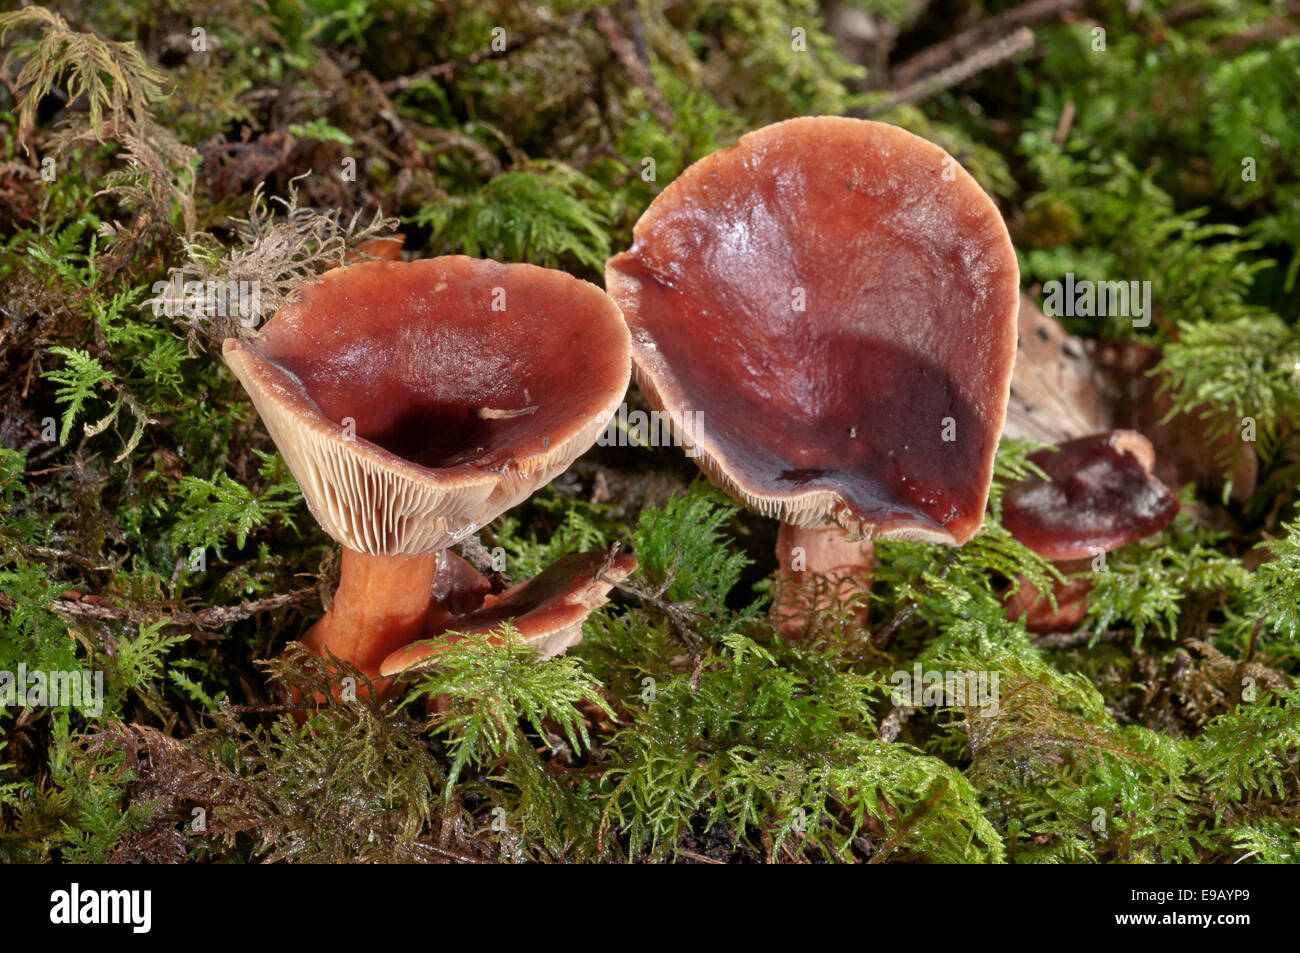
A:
(48, 453)
(1065, 122)
(794, 858)
(934, 57)
(701, 858)
(1065, 640)
(977, 62)
(445, 140)
(211, 618)
(633, 62)
(677, 613)
(266, 709)
(697, 666)
(61, 555)
(410, 152)
(420, 846)
(442, 70)
(445, 70)
(886, 635)
(224, 615)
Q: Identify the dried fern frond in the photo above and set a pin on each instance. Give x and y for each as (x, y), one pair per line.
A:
(159, 176)
(278, 252)
(115, 78)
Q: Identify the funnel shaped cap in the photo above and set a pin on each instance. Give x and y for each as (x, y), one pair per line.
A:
(416, 401)
(837, 301)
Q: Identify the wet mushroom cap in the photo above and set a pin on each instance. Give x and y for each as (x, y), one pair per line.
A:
(457, 586)
(547, 611)
(1101, 495)
(388, 248)
(416, 401)
(908, 286)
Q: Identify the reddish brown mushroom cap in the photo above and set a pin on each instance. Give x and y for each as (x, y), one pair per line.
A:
(547, 611)
(1101, 495)
(388, 248)
(457, 588)
(416, 401)
(909, 289)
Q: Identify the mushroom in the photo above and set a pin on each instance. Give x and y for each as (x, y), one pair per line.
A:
(1101, 494)
(547, 610)
(458, 588)
(416, 401)
(1063, 386)
(387, 248)
(836, 300)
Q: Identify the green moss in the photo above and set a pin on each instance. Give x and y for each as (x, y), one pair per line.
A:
(682, 724)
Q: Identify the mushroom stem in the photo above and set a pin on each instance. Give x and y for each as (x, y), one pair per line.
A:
(821, 567)
(380, 605)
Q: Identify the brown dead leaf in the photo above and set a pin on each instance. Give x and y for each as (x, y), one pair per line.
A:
(1055, 389)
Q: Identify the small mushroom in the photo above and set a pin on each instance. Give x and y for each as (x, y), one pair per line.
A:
(458, 588)
(836, 299)
(547, 610)
(1065, 386)
(1101, 494)
(372, 382)
(387, 248)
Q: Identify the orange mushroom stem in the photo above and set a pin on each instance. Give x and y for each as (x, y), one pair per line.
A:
(821, 568)
(381, 604)
(1070, 596)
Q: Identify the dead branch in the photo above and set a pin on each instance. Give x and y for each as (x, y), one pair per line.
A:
(447, 69)
(91, 607)
(980, 35)
(977, 62)
(633, 62)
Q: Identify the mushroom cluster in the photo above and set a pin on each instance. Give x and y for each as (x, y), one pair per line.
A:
(417, 401)
(837, 300)
(827, 314)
